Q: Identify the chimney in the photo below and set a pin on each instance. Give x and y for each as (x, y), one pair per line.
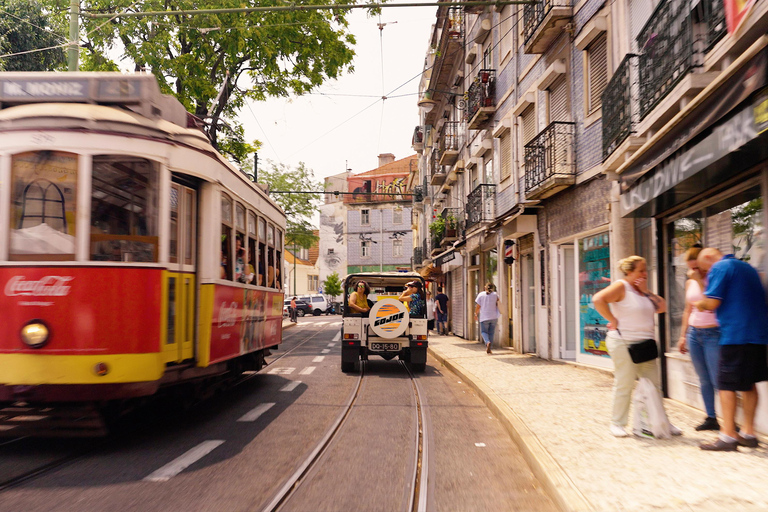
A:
(386, 158)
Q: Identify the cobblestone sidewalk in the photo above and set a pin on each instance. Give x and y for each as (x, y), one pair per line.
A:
(559, 414)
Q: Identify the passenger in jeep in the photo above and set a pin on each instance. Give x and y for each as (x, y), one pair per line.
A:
(414, 296)
(358, 301)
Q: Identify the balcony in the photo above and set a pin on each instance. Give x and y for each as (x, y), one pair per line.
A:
(481, 205)
(543, 22)
(424, 252)
(453, 218)
(418, 194)
(449, 143)
(418, 257)
(436, 238)
(481, 99)
(550, 161)
(620, 114)
(714, 13)
(438, 172)
(417, 141)
(449, 49)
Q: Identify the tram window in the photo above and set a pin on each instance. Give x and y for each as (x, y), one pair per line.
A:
(226, 237)
(174, 245)
(252, 244)
(44, 196)
(278, 267)
(240, 245)
(190, 215)
(262, 252)
(124, 209)
(271, 269)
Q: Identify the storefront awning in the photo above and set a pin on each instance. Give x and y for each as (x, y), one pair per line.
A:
(431, 272)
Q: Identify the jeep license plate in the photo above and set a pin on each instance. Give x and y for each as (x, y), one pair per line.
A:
(385, 346)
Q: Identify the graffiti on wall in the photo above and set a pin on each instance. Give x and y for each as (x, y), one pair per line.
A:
(377, 190)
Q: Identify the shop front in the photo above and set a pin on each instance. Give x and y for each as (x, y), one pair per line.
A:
(706, 184)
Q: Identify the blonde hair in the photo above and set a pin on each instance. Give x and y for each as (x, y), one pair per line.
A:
(692, 253)
(629, 264)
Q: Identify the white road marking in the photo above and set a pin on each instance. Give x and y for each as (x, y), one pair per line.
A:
(178, 465)
(338, 322)
(320, 323)
(318, 359)
(281, 371)
(257, 411)
(480, 445)
(337, 337)
(325, 351)
(291, 386)
(307, 370)
(331, 344)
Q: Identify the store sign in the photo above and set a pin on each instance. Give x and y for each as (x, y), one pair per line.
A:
(724, 139)
(594, 275)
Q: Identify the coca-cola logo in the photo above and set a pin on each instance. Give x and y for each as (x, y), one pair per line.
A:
(48, 286)
(228, 314)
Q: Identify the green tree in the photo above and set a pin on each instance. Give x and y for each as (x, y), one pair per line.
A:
(332, 285)
(212, 63)
(299, 208)
(28, 25)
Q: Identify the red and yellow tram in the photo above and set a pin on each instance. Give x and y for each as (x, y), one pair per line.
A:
(132, 254)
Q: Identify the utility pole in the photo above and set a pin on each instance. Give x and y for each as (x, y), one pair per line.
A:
(74, 35)
(381, 237)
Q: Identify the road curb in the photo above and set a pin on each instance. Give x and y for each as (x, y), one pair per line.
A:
(553, 477)
(288, 326)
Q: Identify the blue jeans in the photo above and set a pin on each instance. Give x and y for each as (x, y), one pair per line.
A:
(705, 354)
(487, 330)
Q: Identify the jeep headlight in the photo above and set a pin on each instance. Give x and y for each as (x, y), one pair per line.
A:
(35, 334)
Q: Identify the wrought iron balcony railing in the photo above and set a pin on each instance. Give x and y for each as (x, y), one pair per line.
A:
(481, 205)
(714, 13)
(454, 25)
(424, 249)
(542, 22)
(619, 107)
(449, 143)
(453, 218)
(481, 98)
(666, 52)
(418, 256)
(550, 163)
(418, 194)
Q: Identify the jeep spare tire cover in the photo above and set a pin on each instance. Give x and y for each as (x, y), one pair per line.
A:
(389, 318)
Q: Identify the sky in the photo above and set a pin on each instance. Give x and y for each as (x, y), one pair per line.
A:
(345, 124)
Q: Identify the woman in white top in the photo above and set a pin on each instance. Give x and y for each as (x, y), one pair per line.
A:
(700, 334)
(629, 308)
(430, 311)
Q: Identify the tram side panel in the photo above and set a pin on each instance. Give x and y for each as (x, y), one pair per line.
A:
(235, 321)
(104, 329)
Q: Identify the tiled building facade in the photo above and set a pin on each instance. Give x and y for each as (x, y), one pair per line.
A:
(565, 133)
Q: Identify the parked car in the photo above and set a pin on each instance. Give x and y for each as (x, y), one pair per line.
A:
(302, 308)
(318, 301)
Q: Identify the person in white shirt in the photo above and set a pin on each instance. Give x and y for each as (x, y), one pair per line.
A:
(487, 312)
(430, 311)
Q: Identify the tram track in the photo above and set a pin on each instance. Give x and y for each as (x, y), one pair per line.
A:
(418, 499)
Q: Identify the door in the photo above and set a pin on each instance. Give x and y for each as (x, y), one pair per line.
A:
(180, 284)
(529, 304)
(474, 290)
(567, 302)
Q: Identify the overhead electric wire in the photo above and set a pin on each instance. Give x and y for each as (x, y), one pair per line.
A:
(43, 29)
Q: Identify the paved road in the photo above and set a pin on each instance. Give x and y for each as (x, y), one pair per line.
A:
(234, 451)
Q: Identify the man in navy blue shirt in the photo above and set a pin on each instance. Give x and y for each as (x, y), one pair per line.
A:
(735, 293)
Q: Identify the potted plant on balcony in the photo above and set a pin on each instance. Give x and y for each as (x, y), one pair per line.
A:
(450, 226)
(437, 228)
(485, 76)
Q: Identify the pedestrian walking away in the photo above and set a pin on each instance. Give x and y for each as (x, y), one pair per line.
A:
(442, 311)
(629, 307)
(700, 336)
(430, 311)
(487, 313)
(294, 313)
(736, 295)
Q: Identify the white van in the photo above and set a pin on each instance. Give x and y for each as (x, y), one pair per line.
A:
(318, 302)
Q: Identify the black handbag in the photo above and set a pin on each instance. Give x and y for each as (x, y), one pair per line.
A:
(643, 351)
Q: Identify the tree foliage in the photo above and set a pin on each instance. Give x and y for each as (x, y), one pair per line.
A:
(299, 208)
(28, 25)
(254, 55)
(332, 285)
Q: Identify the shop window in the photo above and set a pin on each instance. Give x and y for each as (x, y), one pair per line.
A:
(124, 213)
(43, 205)
(594, 275)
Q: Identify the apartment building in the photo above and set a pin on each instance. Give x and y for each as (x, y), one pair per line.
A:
(564, 135)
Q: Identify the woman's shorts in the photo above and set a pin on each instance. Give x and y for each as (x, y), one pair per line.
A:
(741, 366)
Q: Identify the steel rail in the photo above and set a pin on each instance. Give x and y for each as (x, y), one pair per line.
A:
(419, 496)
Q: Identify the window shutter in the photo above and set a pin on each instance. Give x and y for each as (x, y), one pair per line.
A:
(506, 156)
(598, 72)
(558, 101)
(529, 124)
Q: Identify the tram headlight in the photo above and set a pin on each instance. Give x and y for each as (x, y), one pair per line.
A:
(35, 333)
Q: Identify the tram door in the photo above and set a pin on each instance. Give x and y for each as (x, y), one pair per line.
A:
(180, 284)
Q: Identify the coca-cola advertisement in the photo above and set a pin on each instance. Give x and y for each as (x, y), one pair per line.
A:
(244, 320)
(87, 310)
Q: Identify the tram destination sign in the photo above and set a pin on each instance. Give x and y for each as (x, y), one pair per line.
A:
(18, 88)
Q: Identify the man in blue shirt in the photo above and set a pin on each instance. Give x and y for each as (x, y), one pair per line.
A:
(735, 293)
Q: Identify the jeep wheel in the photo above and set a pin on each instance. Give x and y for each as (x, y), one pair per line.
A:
(347, 367)
(419, 367)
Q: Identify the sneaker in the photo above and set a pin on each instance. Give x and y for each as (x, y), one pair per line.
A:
(708, 424)
(675, 431)
(618, 431)
(749, 442)
(720, 445)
